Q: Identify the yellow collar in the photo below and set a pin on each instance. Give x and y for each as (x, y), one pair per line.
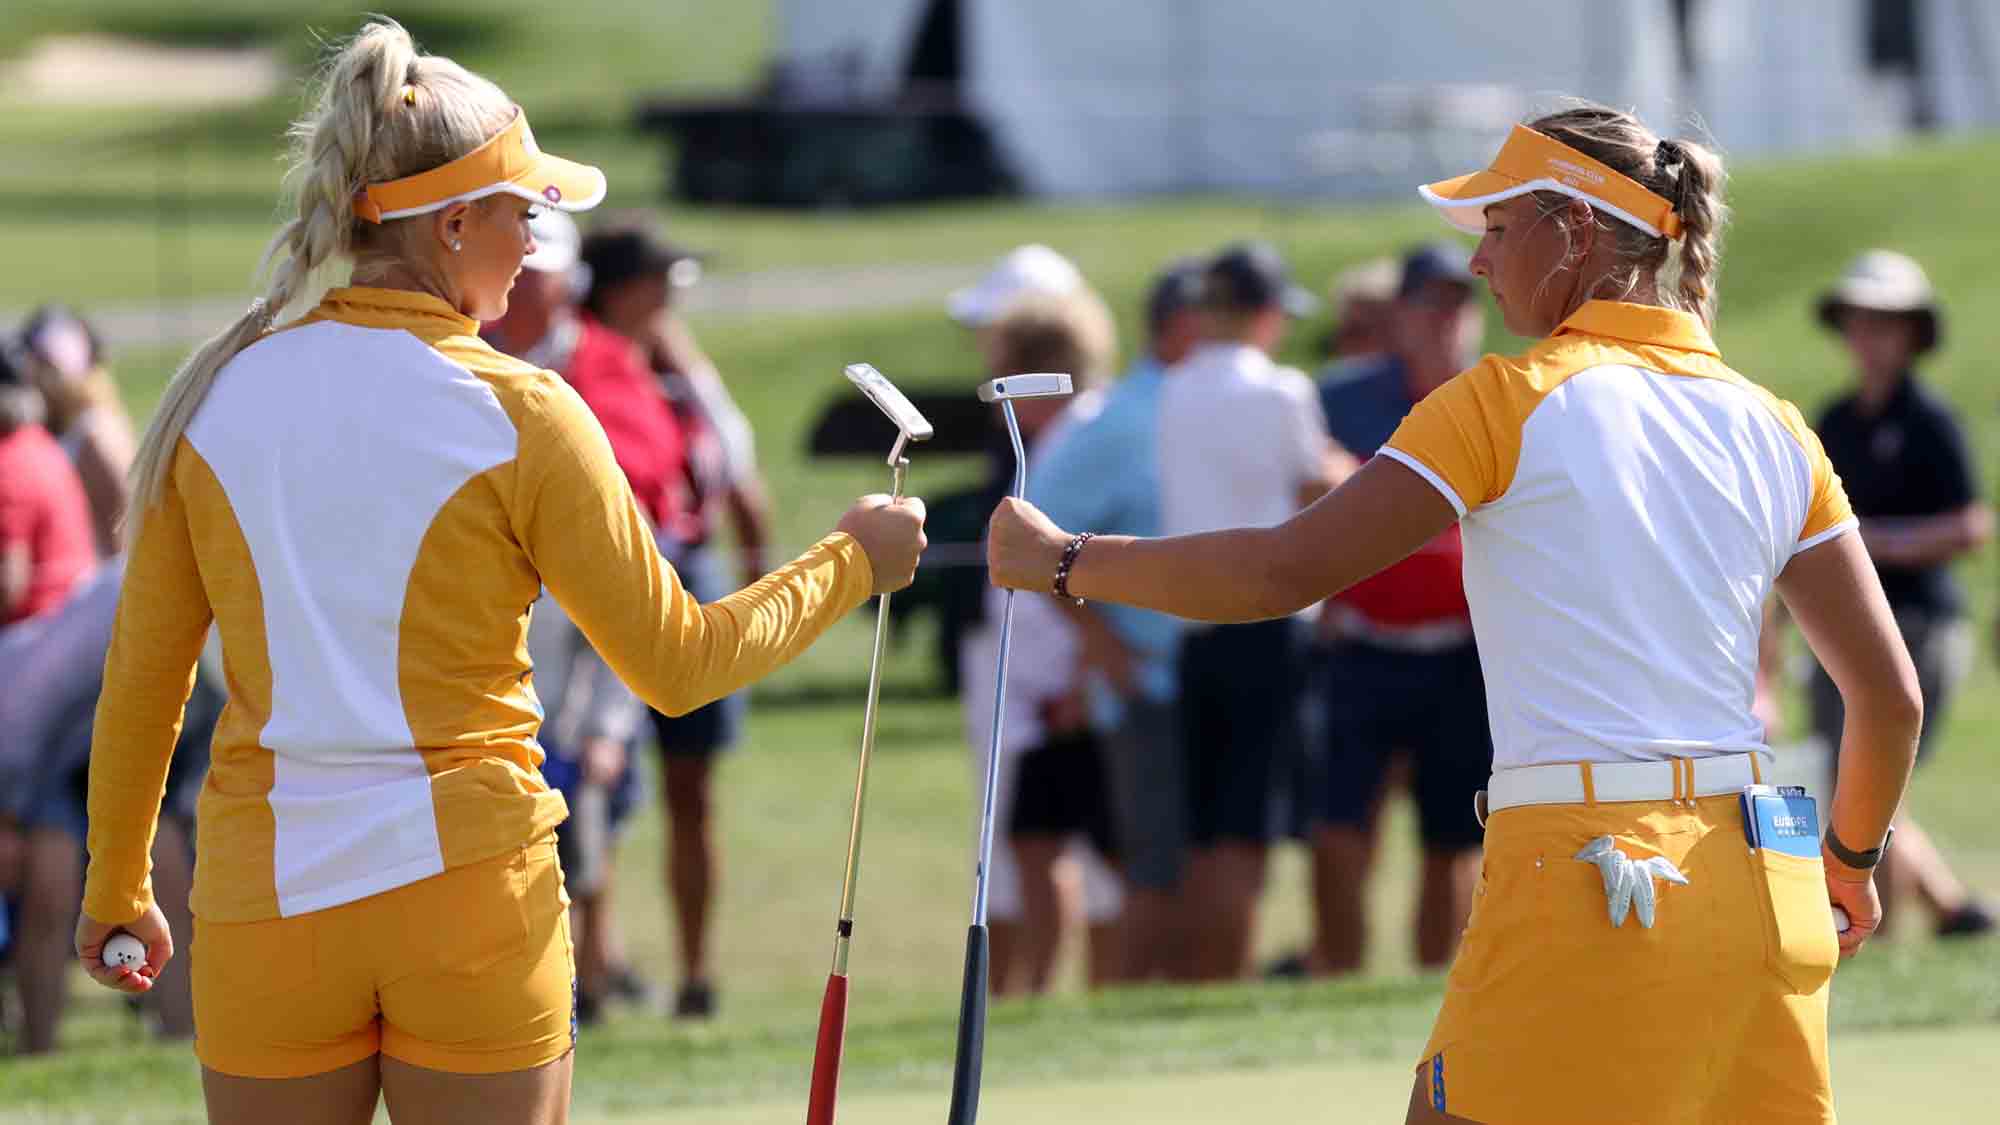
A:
(360, 304)
(1640, 324)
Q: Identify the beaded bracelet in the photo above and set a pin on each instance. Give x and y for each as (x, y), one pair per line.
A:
(1070, 553)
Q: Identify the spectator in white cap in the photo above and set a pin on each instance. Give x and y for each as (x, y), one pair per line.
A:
(540, 324)
(1029, 270)
(1900, 450)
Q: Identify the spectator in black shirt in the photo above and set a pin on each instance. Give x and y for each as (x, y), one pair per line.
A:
(1903, 458)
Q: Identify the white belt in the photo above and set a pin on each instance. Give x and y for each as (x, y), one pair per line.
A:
(1577, 783)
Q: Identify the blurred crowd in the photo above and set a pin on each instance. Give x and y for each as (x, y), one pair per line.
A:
(1149, 766)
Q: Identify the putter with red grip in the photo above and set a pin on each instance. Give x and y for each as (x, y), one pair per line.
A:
(910, 426)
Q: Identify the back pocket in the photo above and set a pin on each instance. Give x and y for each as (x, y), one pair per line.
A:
(474, 917)
(1801, 945)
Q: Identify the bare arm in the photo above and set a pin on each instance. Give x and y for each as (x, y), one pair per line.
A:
(594, 550)
(103, 465)
(1928, 540)
(1336, 465)
(1378, 517)
(750, 516)
(17, 571)
(1832, 592)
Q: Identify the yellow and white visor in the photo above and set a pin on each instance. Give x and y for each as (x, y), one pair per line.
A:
(510, 162)
(1531, 162)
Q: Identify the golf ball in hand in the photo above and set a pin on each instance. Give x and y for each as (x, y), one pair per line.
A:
(1840, 920)
(124, 951)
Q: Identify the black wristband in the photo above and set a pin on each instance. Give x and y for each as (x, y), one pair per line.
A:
(1860, 861)
(1061, 584)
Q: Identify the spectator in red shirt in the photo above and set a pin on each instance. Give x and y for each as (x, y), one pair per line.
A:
(633, 274)
(1400, 673)
(46, 541)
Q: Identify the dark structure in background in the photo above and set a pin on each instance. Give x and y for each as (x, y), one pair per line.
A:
(808, 138)
(1894, 47)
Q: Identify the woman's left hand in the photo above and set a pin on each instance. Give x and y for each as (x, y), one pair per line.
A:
(1023, 547)
(150, 927)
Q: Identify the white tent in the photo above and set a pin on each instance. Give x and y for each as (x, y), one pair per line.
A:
(1961, 39)
(1115, 97)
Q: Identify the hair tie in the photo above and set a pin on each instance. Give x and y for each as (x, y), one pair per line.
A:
(1669, 152)
(409, 95)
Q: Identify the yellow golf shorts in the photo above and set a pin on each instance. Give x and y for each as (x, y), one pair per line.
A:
(1714, 1013)
(469, 971)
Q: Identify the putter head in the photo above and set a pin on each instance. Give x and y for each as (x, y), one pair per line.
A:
(1025, 386)
(890, 401)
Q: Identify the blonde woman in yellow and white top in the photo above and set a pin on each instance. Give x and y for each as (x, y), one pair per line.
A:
(366, 501)
(1628, 502)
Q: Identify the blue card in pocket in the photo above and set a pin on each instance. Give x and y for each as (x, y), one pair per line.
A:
(1781, 818)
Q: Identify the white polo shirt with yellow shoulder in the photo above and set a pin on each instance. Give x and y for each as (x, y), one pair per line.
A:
(1627, 503)
(366, 505)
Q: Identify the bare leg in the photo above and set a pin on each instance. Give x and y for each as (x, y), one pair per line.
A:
(1042, 913)
(1153, 935)
(172, 997)
(432, 1097)
(1006, 973)
(1343, 857)
(593, 968)
(1914, 863)
(1107, 954)
(1227, 880)
(691, 859)
(1444, 903)
(51, 888)
(339, 1097)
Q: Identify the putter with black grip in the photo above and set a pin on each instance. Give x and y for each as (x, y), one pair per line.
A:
(910, 426)
(972, 996)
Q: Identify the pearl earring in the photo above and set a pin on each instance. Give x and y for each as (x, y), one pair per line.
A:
(456, 246)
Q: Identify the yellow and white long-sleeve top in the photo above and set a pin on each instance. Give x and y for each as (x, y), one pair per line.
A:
(366, 506)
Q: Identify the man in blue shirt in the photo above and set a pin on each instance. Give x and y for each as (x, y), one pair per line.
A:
(1104, 478)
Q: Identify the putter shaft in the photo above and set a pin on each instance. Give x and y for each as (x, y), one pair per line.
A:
(845, 932)
(979, 882)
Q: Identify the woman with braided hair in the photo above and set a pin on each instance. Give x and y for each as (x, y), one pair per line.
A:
(365, 502)
(1652, 935)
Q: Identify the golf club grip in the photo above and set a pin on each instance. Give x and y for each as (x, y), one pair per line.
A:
(971, 1031)
(826, 1055)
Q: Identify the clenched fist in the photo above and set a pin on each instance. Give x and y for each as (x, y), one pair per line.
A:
(1023, 547)
(891, 533)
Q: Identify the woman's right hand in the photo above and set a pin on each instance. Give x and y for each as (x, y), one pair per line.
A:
(891, 533)
(150, 928)
(1854, 892)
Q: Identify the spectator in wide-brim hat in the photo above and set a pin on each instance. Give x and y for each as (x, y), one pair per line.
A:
(1909, 472)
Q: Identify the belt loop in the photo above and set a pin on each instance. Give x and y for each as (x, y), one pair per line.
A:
(1589, 785)
(1689, 796)
(1676, 763)
(1756, 770)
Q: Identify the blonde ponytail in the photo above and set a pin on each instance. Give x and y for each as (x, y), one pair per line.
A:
(1698, 200)
(1682, 272)
(382, 111)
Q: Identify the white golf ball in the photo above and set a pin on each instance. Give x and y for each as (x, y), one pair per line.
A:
(124, 951)
(1840, 920)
